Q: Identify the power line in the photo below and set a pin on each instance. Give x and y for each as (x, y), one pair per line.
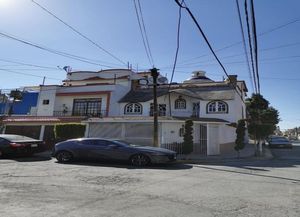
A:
(28, 64)
(176, 54)
(147, 50)
(27, 74)
(210, 47)
(244, 45)
(255, 43)
(240, 54)
(145, 32)
(64, 54)
(79, 33)
(250, 46)
(293, 21)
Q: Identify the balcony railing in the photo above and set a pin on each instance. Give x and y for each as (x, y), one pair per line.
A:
(98, 114)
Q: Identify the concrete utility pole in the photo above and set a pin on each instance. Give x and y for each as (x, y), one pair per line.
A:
(154, 74)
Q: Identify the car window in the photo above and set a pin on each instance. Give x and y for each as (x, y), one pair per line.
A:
(15, 138)
(95, 142)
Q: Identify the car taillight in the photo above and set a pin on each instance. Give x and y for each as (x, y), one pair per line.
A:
(16, 145)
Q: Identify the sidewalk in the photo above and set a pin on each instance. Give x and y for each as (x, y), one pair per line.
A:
(248, 153)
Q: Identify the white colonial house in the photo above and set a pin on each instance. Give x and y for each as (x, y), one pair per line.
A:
(118, 103)
(214, 107)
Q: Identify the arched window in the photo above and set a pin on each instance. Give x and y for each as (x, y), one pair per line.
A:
(180, 103)
(133, 108)
(217, 107)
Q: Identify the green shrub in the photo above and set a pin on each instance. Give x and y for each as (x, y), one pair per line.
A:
(188, 137)
(68, 131)
(240, 136)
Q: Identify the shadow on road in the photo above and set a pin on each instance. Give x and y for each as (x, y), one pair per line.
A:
(248, 172)
(44, 156)
(125, 165)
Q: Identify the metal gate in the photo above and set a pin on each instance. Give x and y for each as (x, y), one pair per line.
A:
(137, 133)
(201, 147)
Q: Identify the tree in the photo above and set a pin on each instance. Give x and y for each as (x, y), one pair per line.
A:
(240, 136)
(262, 119)
(188, 141)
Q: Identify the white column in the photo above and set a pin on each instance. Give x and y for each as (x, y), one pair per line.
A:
(87, 129)
(42, 132)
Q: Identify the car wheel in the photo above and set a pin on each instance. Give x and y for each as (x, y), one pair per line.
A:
(139, 160)
(64, 157)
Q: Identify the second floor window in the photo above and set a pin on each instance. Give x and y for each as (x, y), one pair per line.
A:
(46, 102)
(217, 107)
(87, 107)
(133, 108)
(162, 109)
(180, 103)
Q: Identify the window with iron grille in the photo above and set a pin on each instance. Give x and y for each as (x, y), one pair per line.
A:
(217, 107)
(180, 103)
(133, 108)
(162, 109)
(87, 107)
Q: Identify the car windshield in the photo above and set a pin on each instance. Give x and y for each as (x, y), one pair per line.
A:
(15, 138)
(280, 139)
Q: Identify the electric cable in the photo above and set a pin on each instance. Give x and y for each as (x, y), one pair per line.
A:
(250, 46)
(255, 44)
(79, 33)
(64, 54)
(142, 34)
(244, 44)
(211, 49)
(145, 32)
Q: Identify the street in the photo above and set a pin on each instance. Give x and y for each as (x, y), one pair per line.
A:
(38, 186)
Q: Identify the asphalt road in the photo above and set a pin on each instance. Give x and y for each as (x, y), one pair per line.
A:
(38, 187)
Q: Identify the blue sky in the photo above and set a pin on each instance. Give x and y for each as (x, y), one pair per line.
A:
(113, 25)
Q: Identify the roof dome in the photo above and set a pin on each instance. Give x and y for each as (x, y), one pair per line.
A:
(198, 77)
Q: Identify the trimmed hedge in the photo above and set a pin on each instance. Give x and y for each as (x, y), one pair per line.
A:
(68, 131)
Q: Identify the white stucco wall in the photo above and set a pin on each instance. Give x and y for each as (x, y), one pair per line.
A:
(170, 132)
(213, 143)
(46, 93)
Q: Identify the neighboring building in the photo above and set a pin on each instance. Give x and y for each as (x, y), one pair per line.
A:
(19, 107)
(83, 95)
(117, 103)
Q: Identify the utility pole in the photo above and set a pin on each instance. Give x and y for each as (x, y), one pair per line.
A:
(154, 74)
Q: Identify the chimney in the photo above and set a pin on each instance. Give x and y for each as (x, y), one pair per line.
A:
(134, 84)
(232, 79)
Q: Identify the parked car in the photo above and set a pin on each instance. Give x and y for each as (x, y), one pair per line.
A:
(279, 142)
(11, 145)
(105, 149)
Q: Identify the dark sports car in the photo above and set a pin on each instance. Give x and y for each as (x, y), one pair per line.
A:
(11, 145)
(105, 149)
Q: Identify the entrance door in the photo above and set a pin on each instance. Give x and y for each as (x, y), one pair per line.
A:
(196, 110)
(203, 139)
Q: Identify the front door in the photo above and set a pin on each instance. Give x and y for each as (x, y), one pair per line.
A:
(196, 110)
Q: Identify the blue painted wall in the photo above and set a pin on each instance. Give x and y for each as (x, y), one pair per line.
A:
(23, 107)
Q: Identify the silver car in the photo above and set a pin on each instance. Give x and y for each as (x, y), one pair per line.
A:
(105, 149)
(279, 142)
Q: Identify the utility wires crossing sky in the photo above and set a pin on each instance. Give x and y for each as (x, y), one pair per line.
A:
(140, 19)
(79, 33)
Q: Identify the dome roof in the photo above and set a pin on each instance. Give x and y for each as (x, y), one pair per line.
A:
(198, 77)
